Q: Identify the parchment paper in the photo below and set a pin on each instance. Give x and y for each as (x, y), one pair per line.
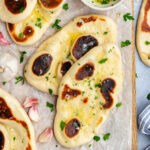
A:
(119, 123)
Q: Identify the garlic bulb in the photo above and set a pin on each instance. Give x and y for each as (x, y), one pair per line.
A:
(8, 66)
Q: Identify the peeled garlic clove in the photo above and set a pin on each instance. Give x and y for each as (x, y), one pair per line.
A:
(46, 135)
(3, 41)
(8, 67)
(33, 114)
(30, 102)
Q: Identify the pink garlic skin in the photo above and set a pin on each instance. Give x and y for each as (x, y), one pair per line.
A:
(46, 135)
(3, 41)
(33, 114)
(30, 102)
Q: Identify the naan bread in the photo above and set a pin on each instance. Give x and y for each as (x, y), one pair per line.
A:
(143, 33)
(72, 42)
(14, 11)
(87, 92)
(16, 130)
(32, 28)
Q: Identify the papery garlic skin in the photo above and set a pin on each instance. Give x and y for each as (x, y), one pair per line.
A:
(33, 114)
(8, 66)
(30, 102)
(46, 135)
(3, 41)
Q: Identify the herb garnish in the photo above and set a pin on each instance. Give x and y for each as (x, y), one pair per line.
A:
(65, 6)
(4, 83)
(38, 23)
(22, 53)
(20, 35)
(51, 106)
(56, 24)
(90, 145)
(148, 96)
(21, 9)
(96, 138)
(127, 16)
(50, 91)
(125, 43)
(106, 136)
(147, 42)
(14, 138)
(105, 33)
(118, 105)
(62, 125)
(19, 79)
(103, 61)
(136, 75)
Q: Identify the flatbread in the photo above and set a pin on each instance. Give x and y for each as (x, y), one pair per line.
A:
(14, 11)
(143, 32)
(72, 42)
(87, 92)
(30, 30)
(16, 130)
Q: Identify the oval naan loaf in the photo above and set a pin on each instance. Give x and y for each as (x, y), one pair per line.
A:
(16, 130)
(14, 11)
(143, 32)
(32, 28)
(87, 92)
(72, 42)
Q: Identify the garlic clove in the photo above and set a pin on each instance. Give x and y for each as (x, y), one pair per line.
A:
(33, 114)
(3, 41)
(8, 66)
(30, 102)
(46, 135)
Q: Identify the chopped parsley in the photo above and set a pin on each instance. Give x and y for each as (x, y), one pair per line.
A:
(50, 91)
(4, 83)
(22, 53)
(19, 79)
(38, 23)
(14, 138)
(127, 16)
(105, 2)
(51, 106)
(65, 6)
(118, 105)
(47, 78)
(99, 85)
(147, 43)
(56, 24)
(106, 136)
(148, 96)
(90, 145)
(68, 55)
(62, 125)
(20, 35)
(103, 61)
(105, 33)
(136, 75)
(96, 138)
(125, 43)
(21, 9)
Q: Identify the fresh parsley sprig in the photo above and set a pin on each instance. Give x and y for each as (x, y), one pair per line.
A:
(127, 16)
(56, 24)
(22, 53)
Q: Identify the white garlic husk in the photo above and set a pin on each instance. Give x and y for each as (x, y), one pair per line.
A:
(8, 66)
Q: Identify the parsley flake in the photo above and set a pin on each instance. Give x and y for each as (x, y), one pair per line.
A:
(4, 83)
(65, 6)
(22, 53)
(56, 24)
(106, 136)
(51, 106)
(127, 16)
(96, 138)
(19, 79)
(125, 43)
(103, 61)
(118, 105)
(147, 43)
(38, 23)
(148, 96)
(21, 9)
(62, 125)
(50, 91)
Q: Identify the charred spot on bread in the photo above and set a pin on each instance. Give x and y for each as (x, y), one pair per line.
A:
(51, 4)
(87, 70)
(16, 6)
(83, 45)
(42, 64)
(65, 66)
(86, 20)
(2, 141)
(72, 128)
(108, 86)
(85, 100)
(69, 93)
(145, 26)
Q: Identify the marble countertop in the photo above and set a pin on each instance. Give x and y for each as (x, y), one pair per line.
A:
(142, 90)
